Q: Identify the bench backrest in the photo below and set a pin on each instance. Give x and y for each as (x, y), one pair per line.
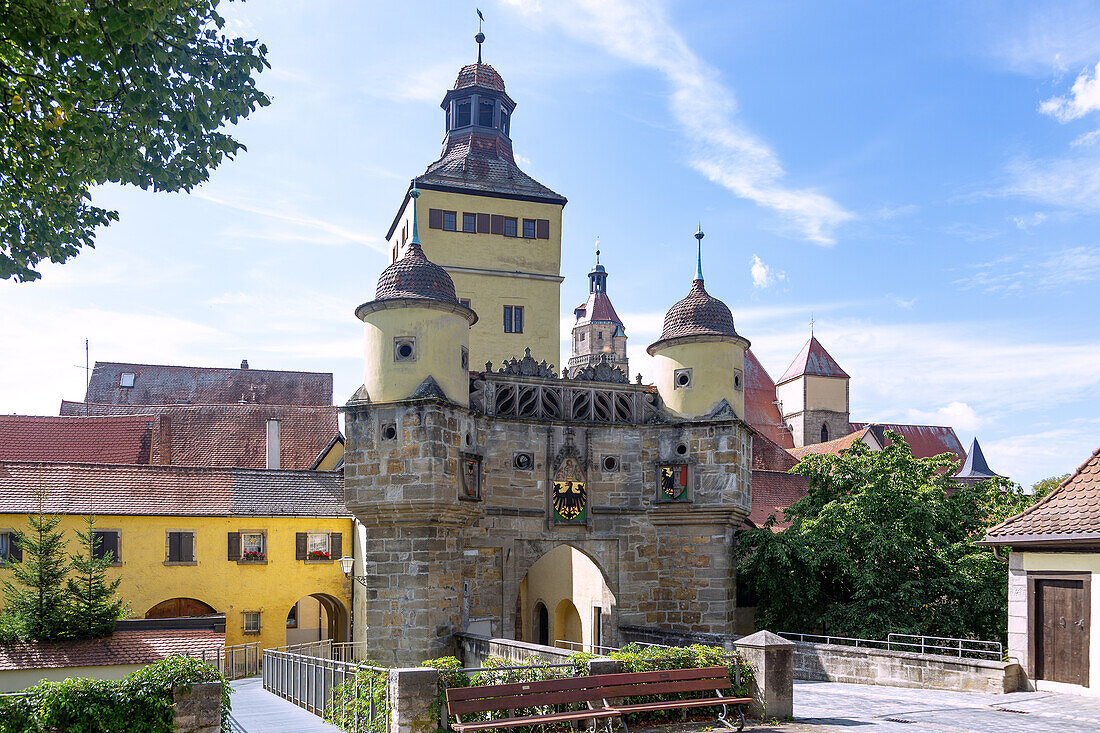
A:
(590, 688)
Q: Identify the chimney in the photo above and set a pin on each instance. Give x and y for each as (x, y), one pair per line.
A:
(273, 443)
(244, 363)
(161, 453)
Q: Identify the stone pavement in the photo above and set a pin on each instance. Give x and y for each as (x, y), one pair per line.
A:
(255, 710)
(831, 707)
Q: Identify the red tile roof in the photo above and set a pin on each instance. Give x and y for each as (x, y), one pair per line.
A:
(123, 647)
(415, 276)
(597, 308)
(924, 441)
(122, 439)
(813, 361)
(768, 456)
(87, 488)
(831, 447)
(697, 314)
(772, 493)
(761, 410)
(228, 435)
(1070, 513)
(482, 163)
(481, 75)
(155, 384)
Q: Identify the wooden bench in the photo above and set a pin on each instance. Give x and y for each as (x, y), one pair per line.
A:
(595, 691)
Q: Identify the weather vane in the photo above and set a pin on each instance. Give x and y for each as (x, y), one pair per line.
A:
(699, 253)
(812, 325)
(597, 249)
(480, 37)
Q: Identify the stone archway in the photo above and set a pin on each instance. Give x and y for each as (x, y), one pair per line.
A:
(180, 608)
(564, 595)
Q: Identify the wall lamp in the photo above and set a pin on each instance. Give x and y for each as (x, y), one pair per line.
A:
(346, 565)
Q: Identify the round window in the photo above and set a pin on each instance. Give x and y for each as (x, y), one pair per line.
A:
(404, 350)
(523, 461)
(682, 449)
(610, 463)
(389, 432)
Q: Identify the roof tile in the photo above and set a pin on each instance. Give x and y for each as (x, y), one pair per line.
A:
(1072, 511)
(813, 361)
(122, 647)
(116, 439)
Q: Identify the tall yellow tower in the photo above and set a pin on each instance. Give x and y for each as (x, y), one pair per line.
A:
(699, 361)
(495, 230)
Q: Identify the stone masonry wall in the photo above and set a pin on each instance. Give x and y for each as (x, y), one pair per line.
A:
(835, 663)
(198, 710)
(435, 561)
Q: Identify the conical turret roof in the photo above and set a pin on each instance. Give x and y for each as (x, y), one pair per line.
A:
(975, 468)
(698, 314)
(415, 276)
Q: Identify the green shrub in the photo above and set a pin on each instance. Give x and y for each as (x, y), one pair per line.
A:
(139, 703)
(355, 699)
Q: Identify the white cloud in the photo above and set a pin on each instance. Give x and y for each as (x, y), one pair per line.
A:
(722, 149)
(958, 415)
(1025, 270)
(1089, 138)
(1042, 37)
(764, 276)
(1028, 222)
(1084, 97)
(1069, 182)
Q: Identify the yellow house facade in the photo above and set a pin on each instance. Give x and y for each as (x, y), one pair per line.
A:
(259, 546)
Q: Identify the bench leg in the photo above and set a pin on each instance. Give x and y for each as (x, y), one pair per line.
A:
(723, 718)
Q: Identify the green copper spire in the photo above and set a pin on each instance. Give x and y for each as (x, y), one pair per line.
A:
(414, 194)
(699, 244)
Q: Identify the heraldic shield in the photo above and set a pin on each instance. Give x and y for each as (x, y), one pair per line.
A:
(570, 494)
(673, 482)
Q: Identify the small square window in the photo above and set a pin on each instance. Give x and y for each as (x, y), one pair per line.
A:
(510, 226)
(528, 228)
(464, 301)
(106, 546)
(126, 380)
(404, 349)
(681, 379)
(9, 548)
(181, 547)
(469, 222)
(449, 220)
(252, 546)
(250, 622)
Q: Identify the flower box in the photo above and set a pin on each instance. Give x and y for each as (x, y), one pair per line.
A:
(318, 555)
(252, 556)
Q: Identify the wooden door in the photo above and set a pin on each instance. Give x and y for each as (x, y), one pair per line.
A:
(178, 607)
(1061, 630)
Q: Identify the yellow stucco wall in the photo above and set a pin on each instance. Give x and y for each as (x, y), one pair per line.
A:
(1070, 562)
(826, 393)
(440, 337)
(332, 458)
(713, 364)
(229, 587)
(512, 260)
(14, 680)
(792, 395)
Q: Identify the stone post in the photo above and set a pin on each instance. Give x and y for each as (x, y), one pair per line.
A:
(772, 660)
(413, 692)
(603, 665)
(198, 710)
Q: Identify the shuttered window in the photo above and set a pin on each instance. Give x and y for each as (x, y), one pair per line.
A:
(542, 228)
(497, 224)
(9, 548)
(510, 224)
(469, 222)
(181, 547)
(483, 223)
(528, 228)
(106, 546)
(450, 220)
(435, 218)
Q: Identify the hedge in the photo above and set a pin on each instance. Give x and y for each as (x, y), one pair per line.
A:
(139, 703)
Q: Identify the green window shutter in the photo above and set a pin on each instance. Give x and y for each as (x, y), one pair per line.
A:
(435, 218)
(496, 224)
(483, 223)
(336, 545)
(174, 546)
(187, 547)
(542, 228)
(300, 541)
(234, 545)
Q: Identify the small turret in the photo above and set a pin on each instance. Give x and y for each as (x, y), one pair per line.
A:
(416, 329)
(814, 395)
(598, 333)
(700, 357)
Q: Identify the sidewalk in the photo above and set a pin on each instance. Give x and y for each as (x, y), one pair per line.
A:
(255, 710)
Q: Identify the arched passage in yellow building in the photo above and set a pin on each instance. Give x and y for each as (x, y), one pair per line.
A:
(316, 617)
(179, 607)
(564, 596)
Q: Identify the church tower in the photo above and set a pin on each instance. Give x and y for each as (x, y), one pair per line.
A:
(598, 333)
(814, 396)
(493, 228)
(700, 358)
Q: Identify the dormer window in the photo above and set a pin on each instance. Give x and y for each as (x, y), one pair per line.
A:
(485, 113)
(462, 113)
(126, 380)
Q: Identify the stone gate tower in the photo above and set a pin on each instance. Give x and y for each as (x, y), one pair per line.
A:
(461, 484)
(599, 335)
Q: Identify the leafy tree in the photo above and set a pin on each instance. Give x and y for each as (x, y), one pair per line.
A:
(883, 542)
(35, 603)
(127, 91)
(92, 607)
(1041, 488)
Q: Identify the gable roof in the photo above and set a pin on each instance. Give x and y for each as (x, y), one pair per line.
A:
(1069, 514)
(115, 439)
(813, 361)
(156, 384)
(769, 456)
(924, 441)
(835, 446)
(224, 435)
(123, 647)
(761, 410)
(772, 493)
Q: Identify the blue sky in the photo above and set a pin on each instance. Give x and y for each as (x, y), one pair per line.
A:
(924, 179)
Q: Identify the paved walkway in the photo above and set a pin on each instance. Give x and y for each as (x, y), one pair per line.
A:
(255, 710)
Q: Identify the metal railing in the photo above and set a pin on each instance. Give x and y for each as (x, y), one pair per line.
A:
(580, 646)
(340, 651)
(942, 645)
(235, 662)
(308, 682)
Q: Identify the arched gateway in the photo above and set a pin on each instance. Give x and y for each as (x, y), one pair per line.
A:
(461, 480)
